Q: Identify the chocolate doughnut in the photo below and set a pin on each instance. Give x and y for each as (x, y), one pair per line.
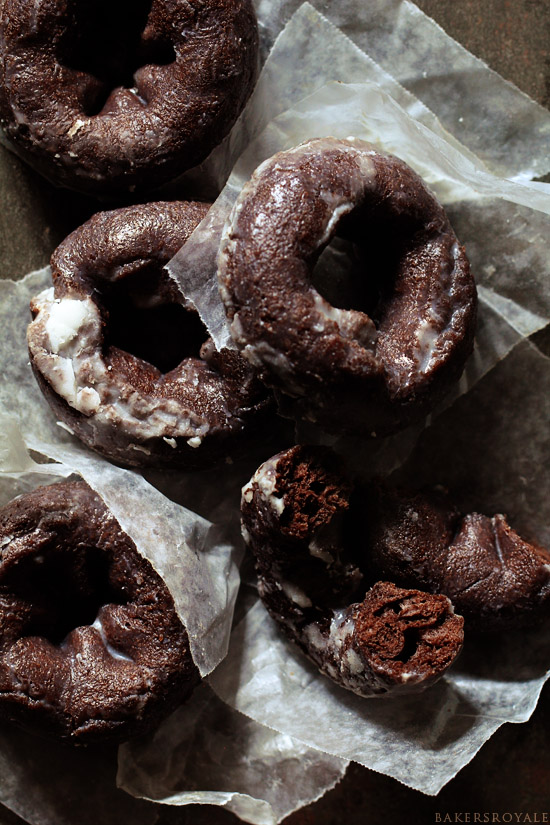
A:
(91, 647)
(495, 579)
(364, 370)
(391, 641)
(97, 347)
(106, 97)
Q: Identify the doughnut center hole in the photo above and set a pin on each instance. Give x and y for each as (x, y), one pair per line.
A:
(146, 320)
(64, 587)
(338, 276)
(358, 268)
(104, 39)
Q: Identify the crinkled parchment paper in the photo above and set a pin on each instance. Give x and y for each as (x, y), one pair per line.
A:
(408, 55)
(504, 224)
(494, 119)
(45, 782)
(315, 82)
(258, 774)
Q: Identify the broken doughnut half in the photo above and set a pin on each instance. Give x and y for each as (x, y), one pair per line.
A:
(496, 579)
(390, 641)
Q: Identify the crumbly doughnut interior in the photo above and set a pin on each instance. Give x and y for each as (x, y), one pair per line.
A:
(313, 492)
(407, 634)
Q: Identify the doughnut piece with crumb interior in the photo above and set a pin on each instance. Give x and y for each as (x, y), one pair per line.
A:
(496, 579)
(379, 641)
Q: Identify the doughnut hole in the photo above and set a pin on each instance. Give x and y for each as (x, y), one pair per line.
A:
(339, 276)
(57, 590)
(359, 267)
(105, 41)
(144, 319)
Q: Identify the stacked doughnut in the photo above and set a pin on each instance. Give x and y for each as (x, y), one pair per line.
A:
(386, 352)
(125, 364)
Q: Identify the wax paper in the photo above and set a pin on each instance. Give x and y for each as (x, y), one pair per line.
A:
(494, 119)
(204, 753)
(222, 757)
(425, 740)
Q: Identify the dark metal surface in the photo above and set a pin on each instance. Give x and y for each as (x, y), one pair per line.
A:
(511, 774)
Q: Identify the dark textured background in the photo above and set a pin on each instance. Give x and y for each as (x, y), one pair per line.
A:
(511, 774)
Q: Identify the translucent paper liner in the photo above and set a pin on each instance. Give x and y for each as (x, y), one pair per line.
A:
(504, 224)
(45, 782)
(494, 119)
(227, 759)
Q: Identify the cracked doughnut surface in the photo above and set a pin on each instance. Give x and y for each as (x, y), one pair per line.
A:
(385, 360)
(495, 579)
(107, 97)
(390, 641)
(91, 647)
(110, 291)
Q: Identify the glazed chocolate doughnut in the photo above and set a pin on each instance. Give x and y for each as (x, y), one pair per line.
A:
(91, 647)
(97, 347)
(365, 370)
(105, 97)
(295, 520)
(494, 578)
